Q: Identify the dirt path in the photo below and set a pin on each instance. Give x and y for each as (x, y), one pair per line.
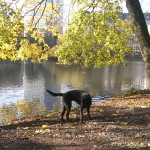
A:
(121, 123)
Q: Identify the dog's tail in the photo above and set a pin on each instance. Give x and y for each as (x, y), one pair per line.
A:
(54, 94)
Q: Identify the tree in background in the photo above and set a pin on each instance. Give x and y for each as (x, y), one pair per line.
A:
(97, 35)
(22, 39)
(11, 27)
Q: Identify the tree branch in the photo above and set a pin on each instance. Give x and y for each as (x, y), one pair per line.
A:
(41, 14)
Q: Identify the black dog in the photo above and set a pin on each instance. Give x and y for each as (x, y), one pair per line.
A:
(83, 98)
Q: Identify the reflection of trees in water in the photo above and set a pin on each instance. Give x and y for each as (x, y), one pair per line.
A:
(20, 110)
(11, 72)
(108, 79)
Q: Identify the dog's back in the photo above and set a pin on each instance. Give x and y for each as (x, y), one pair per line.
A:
(78, 96)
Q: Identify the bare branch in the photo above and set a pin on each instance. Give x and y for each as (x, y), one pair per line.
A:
(36, 7)
(41, 14)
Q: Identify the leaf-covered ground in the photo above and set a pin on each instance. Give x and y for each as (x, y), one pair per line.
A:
(120, 123)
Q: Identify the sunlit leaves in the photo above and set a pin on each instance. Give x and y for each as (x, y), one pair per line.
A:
(96, 36)
(11, 28)
(15, 37)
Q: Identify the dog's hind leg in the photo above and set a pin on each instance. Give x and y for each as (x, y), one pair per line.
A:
(68, 112)
(68, 108)
(63, 112)
(81, 114)
(88, 112)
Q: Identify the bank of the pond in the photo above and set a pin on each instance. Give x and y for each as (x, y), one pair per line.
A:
(119, 123)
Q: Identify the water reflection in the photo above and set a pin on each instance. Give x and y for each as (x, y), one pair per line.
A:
(21, 109)
(25, 80)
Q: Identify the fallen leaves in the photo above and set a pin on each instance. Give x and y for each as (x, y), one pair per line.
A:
(138, 135)
(44, 129)
(102, 129)
(41, 131)
(115, 114)
(45, 126)
(25, 128)
(124, 123)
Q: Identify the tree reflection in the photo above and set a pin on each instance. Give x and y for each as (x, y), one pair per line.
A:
(21, 109)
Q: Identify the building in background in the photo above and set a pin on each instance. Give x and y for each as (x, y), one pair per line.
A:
(135, 43)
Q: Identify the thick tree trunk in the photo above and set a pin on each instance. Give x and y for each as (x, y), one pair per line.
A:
(141, 30)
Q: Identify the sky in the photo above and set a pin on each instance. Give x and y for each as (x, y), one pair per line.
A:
(145, 4)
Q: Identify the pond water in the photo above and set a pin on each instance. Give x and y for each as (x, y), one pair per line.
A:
(24, 83)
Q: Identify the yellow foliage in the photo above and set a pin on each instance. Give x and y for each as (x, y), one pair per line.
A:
(138, 135)
(45, 126)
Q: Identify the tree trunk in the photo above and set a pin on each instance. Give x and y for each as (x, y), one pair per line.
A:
(141, 30)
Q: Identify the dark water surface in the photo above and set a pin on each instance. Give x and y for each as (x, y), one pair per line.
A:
(21, 83)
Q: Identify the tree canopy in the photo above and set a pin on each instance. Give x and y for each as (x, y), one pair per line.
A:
(96, 34)
(11, 27)
(16, 35)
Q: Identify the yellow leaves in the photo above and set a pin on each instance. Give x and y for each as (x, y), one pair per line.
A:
(97, 41)
(138, 135)
(45, 126)
(49, 115)
(26, 128)
(6, 46)
(149, 125)
(44, 56)
(74, 115)
(41, 131)
(101, 111)
(3, 55)
(114, 114)
(20, 42)
(11, 28)
(38, 35)
(124, 123)
(50, 7)
(32, 51)
(44, 129)
(24, 136)
(143, 106)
